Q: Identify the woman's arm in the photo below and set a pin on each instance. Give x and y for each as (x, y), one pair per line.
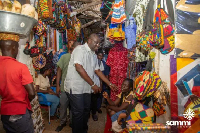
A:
(41, 91)
(123, 106)
(50, 91)
(120, 117)
(110, 102)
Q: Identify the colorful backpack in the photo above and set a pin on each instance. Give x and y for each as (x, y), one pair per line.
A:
(142, 84)
(162, 34)
(155, 84)
(143, 41)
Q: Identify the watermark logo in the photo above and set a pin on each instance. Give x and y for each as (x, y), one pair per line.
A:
(189, 114)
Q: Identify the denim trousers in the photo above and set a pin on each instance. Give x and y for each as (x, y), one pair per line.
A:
(54, 100)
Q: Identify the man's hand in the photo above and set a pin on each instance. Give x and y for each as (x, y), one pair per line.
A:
(113, 87)
(96, 89)
(105, 95)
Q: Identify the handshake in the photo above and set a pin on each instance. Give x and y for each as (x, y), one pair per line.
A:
(97, 89)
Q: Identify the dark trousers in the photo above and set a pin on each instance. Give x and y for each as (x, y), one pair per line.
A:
(80, 107)
(100, 97)
(23, 125)
(94, 98)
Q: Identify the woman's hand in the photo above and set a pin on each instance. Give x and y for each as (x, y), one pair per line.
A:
(121, 116)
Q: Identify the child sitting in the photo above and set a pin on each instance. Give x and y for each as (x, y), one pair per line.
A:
(123, 100)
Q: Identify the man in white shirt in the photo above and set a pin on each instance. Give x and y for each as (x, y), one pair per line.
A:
(79, 82)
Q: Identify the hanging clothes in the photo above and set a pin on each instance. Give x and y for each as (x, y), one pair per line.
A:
(130, 6)
(148, 19)
(131, 70)
(118, 62)
(130, 33)
(118, 15)
(139, 13)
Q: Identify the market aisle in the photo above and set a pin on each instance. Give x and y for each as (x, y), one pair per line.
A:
(94, 126)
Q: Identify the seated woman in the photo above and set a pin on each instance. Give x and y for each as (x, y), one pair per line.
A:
(123, 100)
(43, 86)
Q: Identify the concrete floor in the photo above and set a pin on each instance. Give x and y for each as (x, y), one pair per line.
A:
(94, 126)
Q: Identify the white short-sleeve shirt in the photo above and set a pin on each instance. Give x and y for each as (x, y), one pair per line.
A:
(84, 56)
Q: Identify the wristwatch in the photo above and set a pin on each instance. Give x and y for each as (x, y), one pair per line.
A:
(110, 84)
(93, 85)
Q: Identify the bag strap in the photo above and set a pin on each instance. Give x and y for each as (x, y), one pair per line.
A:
(158, 2)
(170, 10)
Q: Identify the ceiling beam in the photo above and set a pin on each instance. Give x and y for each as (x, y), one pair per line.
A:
(90, 23)
(87, 7)
(87, 17)
(87, 1)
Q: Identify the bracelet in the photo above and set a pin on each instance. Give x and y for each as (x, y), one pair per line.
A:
(93, 85)
(110, 84)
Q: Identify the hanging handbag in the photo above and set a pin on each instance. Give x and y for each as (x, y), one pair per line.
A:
(118, 15)
(27, 48)
(34, 51)
(162, 34)
(142, 84)
(158, 108)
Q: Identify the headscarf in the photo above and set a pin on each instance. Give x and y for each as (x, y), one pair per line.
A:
(7, 36)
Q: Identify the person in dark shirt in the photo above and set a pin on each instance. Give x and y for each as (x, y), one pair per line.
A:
(106, 72)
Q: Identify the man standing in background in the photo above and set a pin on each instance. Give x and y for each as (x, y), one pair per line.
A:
(61, 74)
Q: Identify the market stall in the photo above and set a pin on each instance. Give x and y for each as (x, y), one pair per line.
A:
(153, 42)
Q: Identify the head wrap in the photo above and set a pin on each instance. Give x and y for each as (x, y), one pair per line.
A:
(8, 36)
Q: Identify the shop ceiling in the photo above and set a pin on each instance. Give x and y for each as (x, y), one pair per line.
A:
(87, 11)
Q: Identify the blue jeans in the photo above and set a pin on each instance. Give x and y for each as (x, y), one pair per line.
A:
(54, 100)
(116, 115)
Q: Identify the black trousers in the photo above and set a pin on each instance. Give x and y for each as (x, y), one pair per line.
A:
(22, 125)
(80, 107)
(94, 99)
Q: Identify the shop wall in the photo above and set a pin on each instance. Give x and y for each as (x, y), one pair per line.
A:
(21, 57)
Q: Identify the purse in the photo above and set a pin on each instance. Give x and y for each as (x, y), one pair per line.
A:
(27, 48)
(158, 108)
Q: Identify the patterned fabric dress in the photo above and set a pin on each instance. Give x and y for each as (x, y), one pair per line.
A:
(118, 62)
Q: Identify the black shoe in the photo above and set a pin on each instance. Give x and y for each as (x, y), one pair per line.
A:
(59, 128)
(99, 111)
(70, 125)
(95, 117)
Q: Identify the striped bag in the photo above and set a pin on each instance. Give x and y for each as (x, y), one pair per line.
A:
(118, 15)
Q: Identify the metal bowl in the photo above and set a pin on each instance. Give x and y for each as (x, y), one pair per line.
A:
(16, 23)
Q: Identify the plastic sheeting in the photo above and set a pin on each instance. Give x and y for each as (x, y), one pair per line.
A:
(185, 94)
(187, 28)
